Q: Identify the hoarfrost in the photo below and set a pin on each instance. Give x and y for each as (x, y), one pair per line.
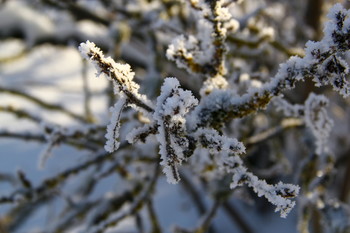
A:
(172, 105)
(229, 151)
(317, 119)
(120, 74)
(113, 128)
(314, 114)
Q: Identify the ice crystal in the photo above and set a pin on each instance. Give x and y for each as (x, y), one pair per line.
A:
(172, 106)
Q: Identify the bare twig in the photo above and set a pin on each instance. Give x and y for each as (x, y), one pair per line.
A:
(87, 93)
(20, 113)
(22, 136)
(236, 217)
(77, 11)
(156, 228)
(41, 103)
(136, 205)
(273, 132)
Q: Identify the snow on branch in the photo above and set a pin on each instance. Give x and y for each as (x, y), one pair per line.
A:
(113, 128)
(120, 74)
(314, 114)
(172, 105)
(141, 133)
(288, 109)
(323, 63)
(190, 133)
(177, 141)
(205, 52)
(124, 86)
(75, 136)
(317, 119)
(179, 132)
(210, 139)
(52, 135)
(278, 194)
(228, 150)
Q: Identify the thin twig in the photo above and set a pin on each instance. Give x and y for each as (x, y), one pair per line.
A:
(42, 103)
(272, 132)
(205, 222)
(208, 218)
(22, 136)
(236, 217)
(53, 182)
(345, 187)
(72, 141)
(87, 93)
(136, 206)
(156, 228)
(20, 113)
(196, 197)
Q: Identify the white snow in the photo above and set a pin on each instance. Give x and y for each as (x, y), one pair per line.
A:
(172, 105)
(113, 128)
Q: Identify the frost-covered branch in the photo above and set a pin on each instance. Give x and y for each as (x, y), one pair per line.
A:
(174, 138)
(141, 133)
(55, 134)
(278, 194)
(323, 63)
(172, 105)
(230, 162)
(205, 52)
(210, 130)
(113, 128)
(219, 105)
(120, 74)
(315, 116)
